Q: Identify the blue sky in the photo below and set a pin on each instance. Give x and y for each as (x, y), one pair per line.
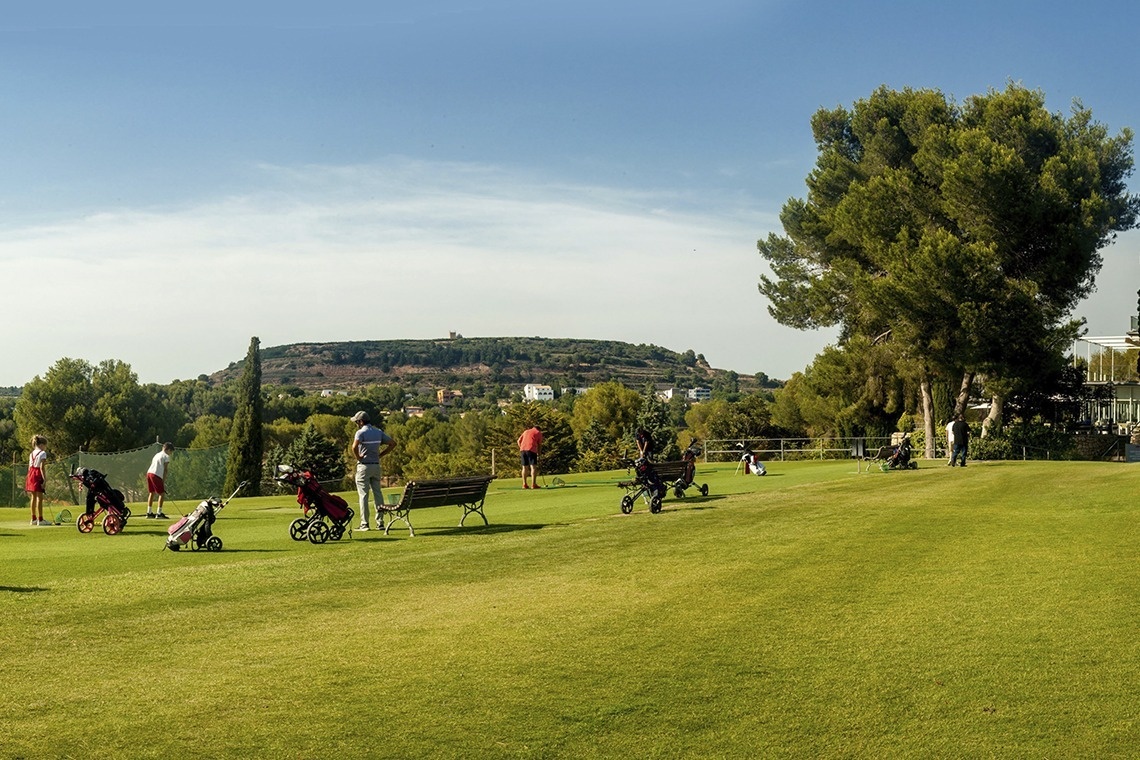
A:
(176, 180)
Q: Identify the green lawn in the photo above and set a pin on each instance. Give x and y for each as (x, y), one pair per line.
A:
(817, 612)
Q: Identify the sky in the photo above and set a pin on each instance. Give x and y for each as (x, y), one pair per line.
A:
(174, 181)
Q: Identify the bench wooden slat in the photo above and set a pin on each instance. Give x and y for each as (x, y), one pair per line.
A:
(670, 471)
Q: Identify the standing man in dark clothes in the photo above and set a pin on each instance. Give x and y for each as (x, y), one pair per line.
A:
(961, 432)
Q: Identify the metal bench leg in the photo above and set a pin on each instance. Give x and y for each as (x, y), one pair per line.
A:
(477, 509)
(402, 516)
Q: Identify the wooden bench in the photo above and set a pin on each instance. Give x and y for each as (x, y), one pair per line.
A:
(670, 472)
(467, 492)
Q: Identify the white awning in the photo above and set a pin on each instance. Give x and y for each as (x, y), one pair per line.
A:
(1118, 343)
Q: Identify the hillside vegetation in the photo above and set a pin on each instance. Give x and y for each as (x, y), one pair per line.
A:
(456, 361)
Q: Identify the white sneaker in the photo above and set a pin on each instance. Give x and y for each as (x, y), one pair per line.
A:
(362, 528)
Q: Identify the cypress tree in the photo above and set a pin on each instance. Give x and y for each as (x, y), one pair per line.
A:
(244, 462)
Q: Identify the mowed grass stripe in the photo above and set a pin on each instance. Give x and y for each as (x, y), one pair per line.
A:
(815, 612)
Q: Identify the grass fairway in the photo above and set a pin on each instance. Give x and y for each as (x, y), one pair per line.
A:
(986, 612)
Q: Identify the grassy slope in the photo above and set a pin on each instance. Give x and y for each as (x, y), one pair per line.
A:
(816, 612)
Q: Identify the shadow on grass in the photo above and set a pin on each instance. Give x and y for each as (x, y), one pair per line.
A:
(696, 502)
(228, 550)
(23, 589)
(401, 532)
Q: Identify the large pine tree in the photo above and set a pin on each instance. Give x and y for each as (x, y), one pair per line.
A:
(963, 233)
(244, 462)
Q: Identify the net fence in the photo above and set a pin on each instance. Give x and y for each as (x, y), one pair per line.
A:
(193, 474)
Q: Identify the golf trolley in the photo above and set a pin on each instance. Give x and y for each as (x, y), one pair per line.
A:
(109, 500)
(646, 484)
(898, 458)
(689, 471)
(196, 529)
(326, 515)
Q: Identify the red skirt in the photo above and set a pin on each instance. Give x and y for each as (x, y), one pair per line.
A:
(35, 480)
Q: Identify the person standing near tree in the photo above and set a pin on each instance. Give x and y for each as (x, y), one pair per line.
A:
(156, 481)
(644, 444)
(530, 441)
(961, 433)
(369, 444)
(950, 442)
(35, 484)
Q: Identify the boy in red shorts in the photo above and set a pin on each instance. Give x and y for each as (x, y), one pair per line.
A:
(155, 481)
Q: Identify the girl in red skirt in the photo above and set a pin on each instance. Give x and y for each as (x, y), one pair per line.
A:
(34, 485)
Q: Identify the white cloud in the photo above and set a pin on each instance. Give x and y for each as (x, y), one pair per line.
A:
(400, 250)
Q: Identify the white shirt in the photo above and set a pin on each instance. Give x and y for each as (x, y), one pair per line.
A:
(158, 464)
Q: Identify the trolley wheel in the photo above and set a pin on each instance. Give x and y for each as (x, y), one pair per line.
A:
(299, 529)
(213, 544)
(336, 532)
(626, 504)
(912, 465)
(112, 524)
(85, 523)
(704, 489)
(173, 547)
(655, 504)
(63, 517)
(885, 466)
(318, 532)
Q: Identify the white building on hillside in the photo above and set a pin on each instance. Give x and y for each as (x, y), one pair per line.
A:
(699, 394)
(532, 392)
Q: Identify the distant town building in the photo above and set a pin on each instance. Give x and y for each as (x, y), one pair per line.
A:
(665, 392)
(327, 393)
(413, 411)
(446, 397)
(533, 392)
(699, 394)
(566, 391)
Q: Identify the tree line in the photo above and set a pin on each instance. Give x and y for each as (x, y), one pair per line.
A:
(102, 407)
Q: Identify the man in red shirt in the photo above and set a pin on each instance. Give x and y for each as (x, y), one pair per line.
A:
(529, 443)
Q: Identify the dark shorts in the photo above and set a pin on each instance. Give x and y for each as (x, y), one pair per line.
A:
(529, 458)
(154, 484)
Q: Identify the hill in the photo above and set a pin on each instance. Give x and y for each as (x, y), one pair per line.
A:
(459, 361)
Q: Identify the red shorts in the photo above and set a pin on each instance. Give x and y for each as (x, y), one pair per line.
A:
(34, 483)
(154, 484)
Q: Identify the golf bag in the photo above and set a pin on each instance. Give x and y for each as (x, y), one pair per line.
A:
(688, 475)
(102, 499)
(196, 529)
(645, 484)
(751, 462)
(326, 515)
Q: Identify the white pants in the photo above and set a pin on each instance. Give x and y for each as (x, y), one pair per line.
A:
(368, 477)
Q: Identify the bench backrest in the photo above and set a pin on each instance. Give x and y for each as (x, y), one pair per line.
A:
(670, 470)
(445, 492)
